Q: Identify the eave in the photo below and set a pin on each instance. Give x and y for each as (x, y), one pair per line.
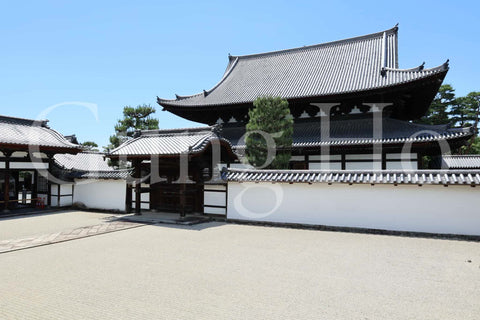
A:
(36, 148)
(416, 95)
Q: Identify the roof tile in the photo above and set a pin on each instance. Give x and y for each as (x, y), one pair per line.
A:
(350, 65)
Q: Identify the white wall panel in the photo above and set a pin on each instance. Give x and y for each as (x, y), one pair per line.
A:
(220, 187)
(402, 165)
(297, 158)
(214, 198)
(28, 165)
(101, 194)
(324, 166)
(370, 165)
(219, 211)
(330, 157)
(430, 208)
(398, 156)
(368, 156)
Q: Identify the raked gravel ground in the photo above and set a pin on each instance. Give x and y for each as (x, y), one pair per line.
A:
(227, 271)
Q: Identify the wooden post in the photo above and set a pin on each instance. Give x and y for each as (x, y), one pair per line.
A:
(138, 184)
(49, 183)
(34, 188)
(58, 195)
(6, 189)
(384, 160)
(183, 194)
(128, 198)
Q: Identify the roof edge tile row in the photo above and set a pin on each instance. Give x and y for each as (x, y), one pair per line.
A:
(395, 177)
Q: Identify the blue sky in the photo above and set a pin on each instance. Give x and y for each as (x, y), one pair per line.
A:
(108, 54)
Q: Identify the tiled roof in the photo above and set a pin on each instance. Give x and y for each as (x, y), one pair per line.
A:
(351, 65)
(169, 142)
(86, 161)
(358, 132)
(419, 177)
(17, 131)
(461, 162)
(114, 175)
(86, 165)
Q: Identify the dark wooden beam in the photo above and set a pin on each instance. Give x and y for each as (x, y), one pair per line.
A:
(6, 189)
(138, 192)
(128, 198)
(49, 182)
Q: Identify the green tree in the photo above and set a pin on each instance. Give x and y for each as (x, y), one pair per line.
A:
(471, 108)
(89, 146)
(438, 110)
(459, 112)
(138, 118)
(272, 149)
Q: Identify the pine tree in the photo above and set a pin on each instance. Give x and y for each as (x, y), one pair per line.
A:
(270, 115)
(459, 114)
(438, 110)
(89, 146)
(471, 105)
(138, 118)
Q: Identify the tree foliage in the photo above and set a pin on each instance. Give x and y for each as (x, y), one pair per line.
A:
(269, 133)
(438, 111)
(89, 146)
(458, 111)
(471, 112)
(138, 118)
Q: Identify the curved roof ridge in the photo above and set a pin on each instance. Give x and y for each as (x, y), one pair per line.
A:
(230, 67)
(24, 121)
(225, 75)
(62, 139)
(178, 97)
(393, 30)
(176, 130)
(443, 67)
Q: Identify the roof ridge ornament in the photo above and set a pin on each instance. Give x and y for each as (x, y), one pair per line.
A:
(217, 129)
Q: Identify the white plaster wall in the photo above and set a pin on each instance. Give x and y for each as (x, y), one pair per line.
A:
(66, 198)
(28, 165)
(100, 194)
(324, 166)
(215, 198)
(65, 190)
(402, 165)
(430, 208)
(324, 157)
(370, 165)
(212, 210)
(144, 197)
(66, 201)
